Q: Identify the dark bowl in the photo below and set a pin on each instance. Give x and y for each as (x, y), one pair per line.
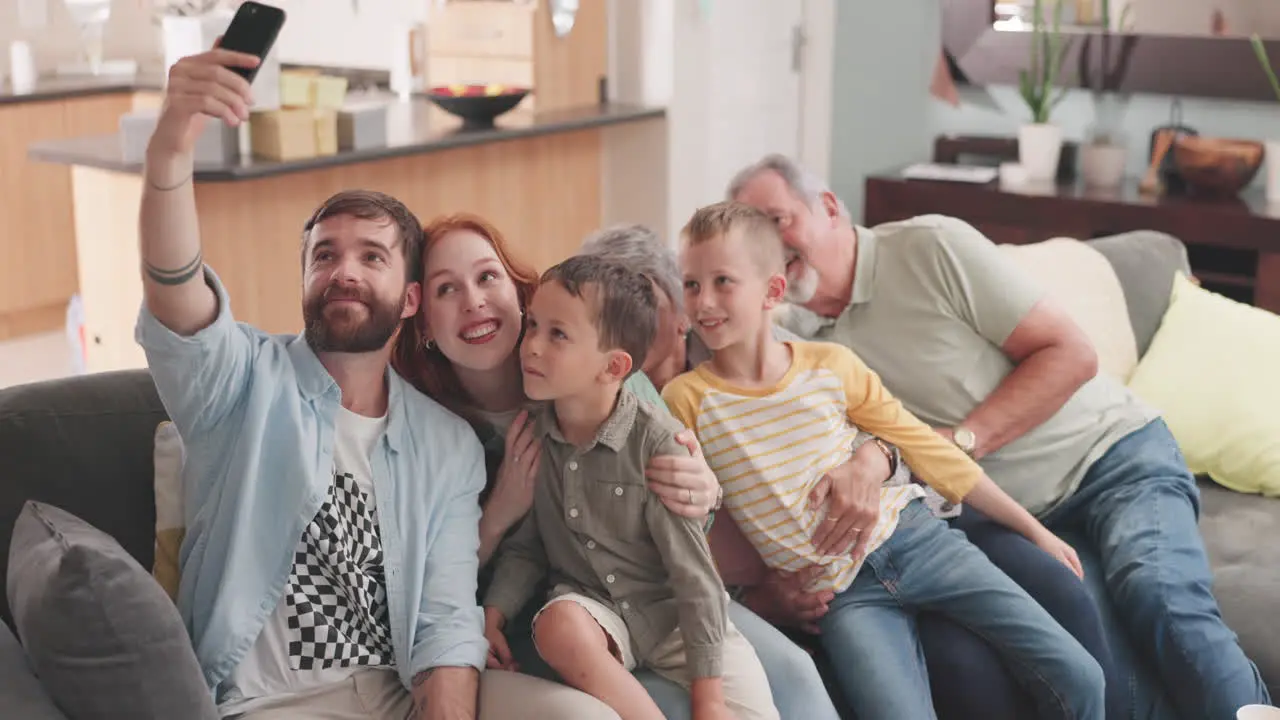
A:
(1217, 167)
(476, 105)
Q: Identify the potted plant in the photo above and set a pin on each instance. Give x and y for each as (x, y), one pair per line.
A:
(1273, 146)
(1040, 142)
(1103, 154)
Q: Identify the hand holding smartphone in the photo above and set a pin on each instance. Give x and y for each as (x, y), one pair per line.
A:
(253, 31)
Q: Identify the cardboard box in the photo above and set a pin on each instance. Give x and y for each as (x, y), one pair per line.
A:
(363, 126)
(309, 88)
(293, 133)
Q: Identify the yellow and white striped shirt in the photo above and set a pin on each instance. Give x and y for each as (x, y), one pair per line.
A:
(770, 446)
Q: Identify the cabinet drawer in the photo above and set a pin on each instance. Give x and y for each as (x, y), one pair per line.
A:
(481, 28)
(447, 70)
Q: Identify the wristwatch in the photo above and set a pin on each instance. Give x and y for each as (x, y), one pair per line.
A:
(965, 439)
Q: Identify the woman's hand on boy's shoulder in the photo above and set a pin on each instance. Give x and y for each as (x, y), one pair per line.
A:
(684, 483)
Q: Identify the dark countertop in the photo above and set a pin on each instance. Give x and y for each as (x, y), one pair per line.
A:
(411, 131)
(57, 88)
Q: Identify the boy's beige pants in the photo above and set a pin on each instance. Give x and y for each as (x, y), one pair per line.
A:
(379, 695)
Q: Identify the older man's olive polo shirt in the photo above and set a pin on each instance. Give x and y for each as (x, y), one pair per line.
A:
(596, 529)
(933, 302)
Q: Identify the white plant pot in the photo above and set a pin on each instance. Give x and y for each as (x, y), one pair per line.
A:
(1273, 172)
(183, 36)
(1102, 165)
(1039, 146)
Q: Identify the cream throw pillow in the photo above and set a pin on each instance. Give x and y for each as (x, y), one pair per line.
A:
(1082, 281)
(168, 488)
(1213, 371)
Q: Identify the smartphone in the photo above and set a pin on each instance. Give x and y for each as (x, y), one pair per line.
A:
(253, 31)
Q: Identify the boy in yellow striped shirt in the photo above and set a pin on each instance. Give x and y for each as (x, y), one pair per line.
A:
(773, 417)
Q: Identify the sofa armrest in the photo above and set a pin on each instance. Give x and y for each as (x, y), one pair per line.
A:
(21, 694)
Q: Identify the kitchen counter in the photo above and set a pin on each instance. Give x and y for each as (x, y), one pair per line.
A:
(61, 88)
(415, 127)
(546, 179)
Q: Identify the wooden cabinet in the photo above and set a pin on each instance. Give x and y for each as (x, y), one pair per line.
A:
(38, 267)
(514, 43)
(1233, 244)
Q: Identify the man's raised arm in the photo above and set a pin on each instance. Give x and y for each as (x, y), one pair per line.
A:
(173, 282)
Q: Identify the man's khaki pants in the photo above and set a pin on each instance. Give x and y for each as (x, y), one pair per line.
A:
(378, 695)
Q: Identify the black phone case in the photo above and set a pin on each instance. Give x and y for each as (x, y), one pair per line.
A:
(253, 30)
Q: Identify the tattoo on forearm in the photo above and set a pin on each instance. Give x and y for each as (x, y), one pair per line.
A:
(178, 276)
(419, 708)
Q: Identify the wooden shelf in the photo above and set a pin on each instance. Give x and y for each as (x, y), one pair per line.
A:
(1221, 278)
(1233, 245)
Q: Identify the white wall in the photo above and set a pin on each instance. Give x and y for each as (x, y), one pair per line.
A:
(331, 32)
(634, 161)
(718, 104)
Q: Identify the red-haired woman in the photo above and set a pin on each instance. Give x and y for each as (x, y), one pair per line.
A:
(462, 350)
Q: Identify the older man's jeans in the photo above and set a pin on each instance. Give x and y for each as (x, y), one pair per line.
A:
(966, 674)
(1138, 506)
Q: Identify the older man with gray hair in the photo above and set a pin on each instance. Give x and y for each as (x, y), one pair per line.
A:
(972, 346)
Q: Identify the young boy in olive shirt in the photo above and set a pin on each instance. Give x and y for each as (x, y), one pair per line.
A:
(632, 583)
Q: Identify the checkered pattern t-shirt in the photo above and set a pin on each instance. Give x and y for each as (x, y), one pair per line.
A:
(332, 619)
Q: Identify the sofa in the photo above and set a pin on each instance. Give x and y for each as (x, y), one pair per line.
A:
(85, 445)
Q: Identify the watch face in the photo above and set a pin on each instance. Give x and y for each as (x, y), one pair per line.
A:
(964, 438)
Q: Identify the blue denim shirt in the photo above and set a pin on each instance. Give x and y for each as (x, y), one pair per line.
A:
(256, 414)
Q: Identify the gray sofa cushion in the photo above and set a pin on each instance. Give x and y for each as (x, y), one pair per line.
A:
(1145, 261)
(83, 444)
(1239, 533)
(21, 695)
(102, 636)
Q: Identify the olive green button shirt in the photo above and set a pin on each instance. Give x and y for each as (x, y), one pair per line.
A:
(596, 529)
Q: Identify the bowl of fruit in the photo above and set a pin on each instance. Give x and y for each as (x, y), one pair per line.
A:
(476, 105)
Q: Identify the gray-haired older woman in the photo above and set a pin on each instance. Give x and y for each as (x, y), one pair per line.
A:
(967, 676)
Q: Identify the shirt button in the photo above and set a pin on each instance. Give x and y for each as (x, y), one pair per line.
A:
(609, 578)
(573, 512)
(591, 544)
(626, 605)
(618, 491)
(573, 464)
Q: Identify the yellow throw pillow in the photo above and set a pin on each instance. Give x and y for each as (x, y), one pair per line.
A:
(1213, 371)
(168, 457)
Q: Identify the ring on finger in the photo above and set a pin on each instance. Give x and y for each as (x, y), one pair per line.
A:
(690, 492)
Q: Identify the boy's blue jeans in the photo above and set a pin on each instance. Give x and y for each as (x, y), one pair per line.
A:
(1138, 507)
(870, 634)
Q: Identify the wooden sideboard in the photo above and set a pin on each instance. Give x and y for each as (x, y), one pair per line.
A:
(1233, 244)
